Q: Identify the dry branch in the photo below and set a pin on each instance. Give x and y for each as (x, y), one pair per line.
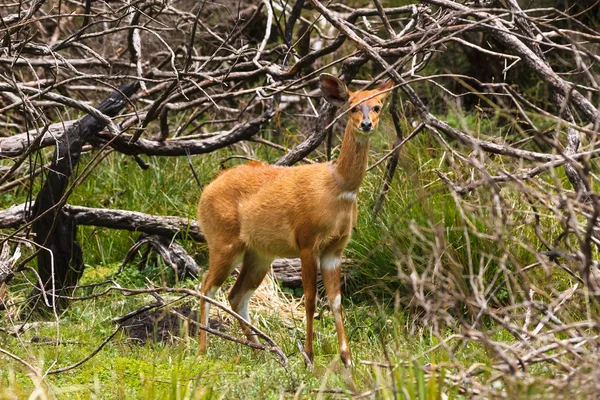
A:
(15, 145)
(127, 145)
(511, 42)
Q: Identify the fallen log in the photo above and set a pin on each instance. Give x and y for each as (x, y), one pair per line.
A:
(134, 221)
(286, 270)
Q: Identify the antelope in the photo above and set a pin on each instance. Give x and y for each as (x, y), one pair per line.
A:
(257, 212)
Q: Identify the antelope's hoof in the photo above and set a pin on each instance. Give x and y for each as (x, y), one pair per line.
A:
(347, 359)
(309, 359)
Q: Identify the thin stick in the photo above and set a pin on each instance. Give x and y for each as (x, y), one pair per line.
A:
(398, 147)
(92, 354)
(259, 346)
(19, 359)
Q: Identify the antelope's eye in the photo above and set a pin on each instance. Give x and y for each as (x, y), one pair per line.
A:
(376, 109)
(354, 109)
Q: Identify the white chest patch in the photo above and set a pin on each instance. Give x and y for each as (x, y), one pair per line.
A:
(350, 196)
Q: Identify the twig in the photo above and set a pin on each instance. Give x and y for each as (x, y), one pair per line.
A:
(88, 357)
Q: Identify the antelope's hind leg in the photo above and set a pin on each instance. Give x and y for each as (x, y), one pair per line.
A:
(222, 260)
(254, 268)
(309, 284)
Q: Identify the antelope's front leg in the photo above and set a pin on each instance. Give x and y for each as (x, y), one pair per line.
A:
(331, 273)
(309, 283)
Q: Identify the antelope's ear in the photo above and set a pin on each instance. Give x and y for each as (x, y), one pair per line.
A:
(386, 85)
(334, 90)
(383, 86)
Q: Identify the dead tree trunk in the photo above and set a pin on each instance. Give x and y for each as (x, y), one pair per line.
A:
(60, 261)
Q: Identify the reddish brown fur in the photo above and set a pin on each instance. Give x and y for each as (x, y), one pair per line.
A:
(260, 212)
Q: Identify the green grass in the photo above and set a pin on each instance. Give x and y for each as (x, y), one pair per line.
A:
(126, 370)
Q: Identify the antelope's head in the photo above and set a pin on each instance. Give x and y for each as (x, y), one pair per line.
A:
(365, 105)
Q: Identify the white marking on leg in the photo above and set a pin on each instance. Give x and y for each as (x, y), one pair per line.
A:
(243, 307)
(336, 303)
(350, 196)
(330, 262)
(336, 308)
(212, 291)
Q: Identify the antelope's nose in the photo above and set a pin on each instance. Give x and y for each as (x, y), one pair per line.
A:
(366, 125)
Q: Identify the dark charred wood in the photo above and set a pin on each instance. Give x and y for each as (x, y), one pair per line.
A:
(393, 162)
(60, 260)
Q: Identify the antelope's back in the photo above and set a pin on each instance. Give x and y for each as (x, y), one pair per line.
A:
(218, 209)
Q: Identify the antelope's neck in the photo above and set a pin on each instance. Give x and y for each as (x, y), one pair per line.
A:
(351, 165)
